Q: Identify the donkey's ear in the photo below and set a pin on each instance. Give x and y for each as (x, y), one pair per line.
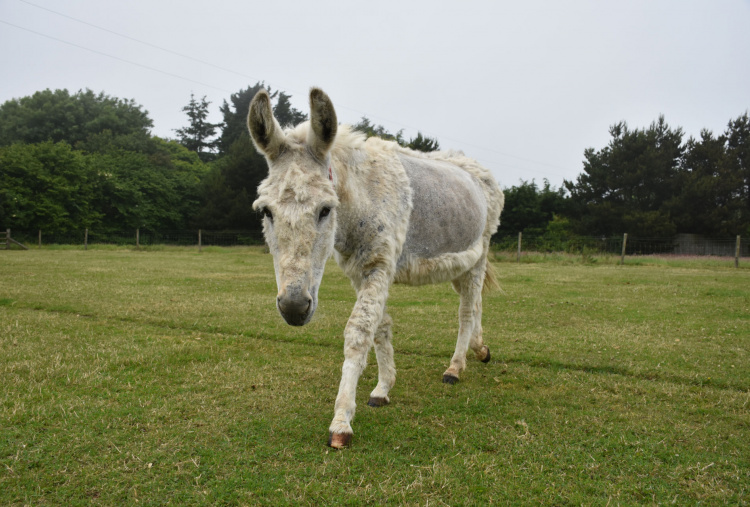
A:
(323, 123)
(264, 129)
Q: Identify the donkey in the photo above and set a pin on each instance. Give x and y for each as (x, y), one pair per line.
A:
(388, 214)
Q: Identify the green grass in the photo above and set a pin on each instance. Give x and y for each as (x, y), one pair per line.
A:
(166, 376)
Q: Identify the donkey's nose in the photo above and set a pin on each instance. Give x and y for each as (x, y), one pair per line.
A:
(294, 306)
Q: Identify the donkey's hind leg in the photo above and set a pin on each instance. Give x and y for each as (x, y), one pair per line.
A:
(476, 344)
(386, 366)
(469, 287)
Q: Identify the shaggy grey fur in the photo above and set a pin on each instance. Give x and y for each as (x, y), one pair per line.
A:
(449, 209)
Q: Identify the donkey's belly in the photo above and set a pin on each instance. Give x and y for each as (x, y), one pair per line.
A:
(449, 212)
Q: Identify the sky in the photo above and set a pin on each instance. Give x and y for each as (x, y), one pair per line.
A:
(522, 86)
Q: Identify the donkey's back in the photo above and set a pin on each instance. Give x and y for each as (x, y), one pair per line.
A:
(455, 210)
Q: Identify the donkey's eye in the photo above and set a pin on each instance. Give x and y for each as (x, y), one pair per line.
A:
(324, 213)
(267, 213)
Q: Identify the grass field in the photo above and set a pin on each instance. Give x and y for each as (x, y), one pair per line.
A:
(166, 376)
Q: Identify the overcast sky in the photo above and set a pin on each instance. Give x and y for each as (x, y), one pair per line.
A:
(524, 86)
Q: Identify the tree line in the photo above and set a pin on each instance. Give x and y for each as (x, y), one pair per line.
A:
(75, 160)
(648, 182)
(86, 160)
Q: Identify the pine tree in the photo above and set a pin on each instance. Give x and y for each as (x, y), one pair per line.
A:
(197, 136)
(423, 143)
(231, 188)
(738, 166)
(420, 143)
(630, 184)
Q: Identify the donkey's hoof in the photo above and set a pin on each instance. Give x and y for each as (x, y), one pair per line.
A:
(339, 440)
(488, 356)
(377, 402)
(450, 379)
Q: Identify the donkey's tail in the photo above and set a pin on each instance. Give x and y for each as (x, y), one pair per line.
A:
(490, 279)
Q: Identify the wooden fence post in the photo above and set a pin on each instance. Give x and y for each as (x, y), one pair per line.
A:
(518, 255)
(9, 240)
(200, 240)
(137, 238)
(737, 253)
(40, 238)
(624, 244)
(86, 240)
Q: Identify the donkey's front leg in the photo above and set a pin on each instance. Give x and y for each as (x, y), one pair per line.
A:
(358, 339)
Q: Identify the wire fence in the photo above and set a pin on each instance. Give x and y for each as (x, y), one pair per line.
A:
(139, 238)
(681, 245)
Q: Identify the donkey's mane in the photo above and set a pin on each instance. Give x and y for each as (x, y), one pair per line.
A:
(348, 141)
(350, 144)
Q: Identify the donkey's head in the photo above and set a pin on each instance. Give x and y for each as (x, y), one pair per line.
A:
(298, 201)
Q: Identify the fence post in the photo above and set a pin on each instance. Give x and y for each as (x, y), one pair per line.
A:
(138, 238)
(624, 244)
(737, 253)
(9, 240)
(200, 240)
(40, 238)
(518, 255)
(86, 240)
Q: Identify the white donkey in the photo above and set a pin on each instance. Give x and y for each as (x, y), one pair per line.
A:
(388, 214)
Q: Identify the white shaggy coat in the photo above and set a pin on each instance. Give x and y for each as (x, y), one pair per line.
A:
(388, 214)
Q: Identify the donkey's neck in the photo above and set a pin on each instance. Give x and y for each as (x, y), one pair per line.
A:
(374, 201)
(348, 157)
(343, 179)
(361, 166)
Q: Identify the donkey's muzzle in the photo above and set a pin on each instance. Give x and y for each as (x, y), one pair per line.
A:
(296, 306)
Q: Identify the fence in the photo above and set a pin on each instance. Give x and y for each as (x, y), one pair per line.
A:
(139, 238)
(681, 245)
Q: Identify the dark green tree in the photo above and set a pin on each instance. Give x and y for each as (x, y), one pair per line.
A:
(235, 115)
(629, 185)
(423, 143)
(47, 186)
(703, 204)
(372, 130)
(228, 192)
(197, 135)
(530, 209)
(158, 190)
(420, 143)
(287, 115)
(738, 166)
(53, 187)
(59, 116)
(234, 127)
